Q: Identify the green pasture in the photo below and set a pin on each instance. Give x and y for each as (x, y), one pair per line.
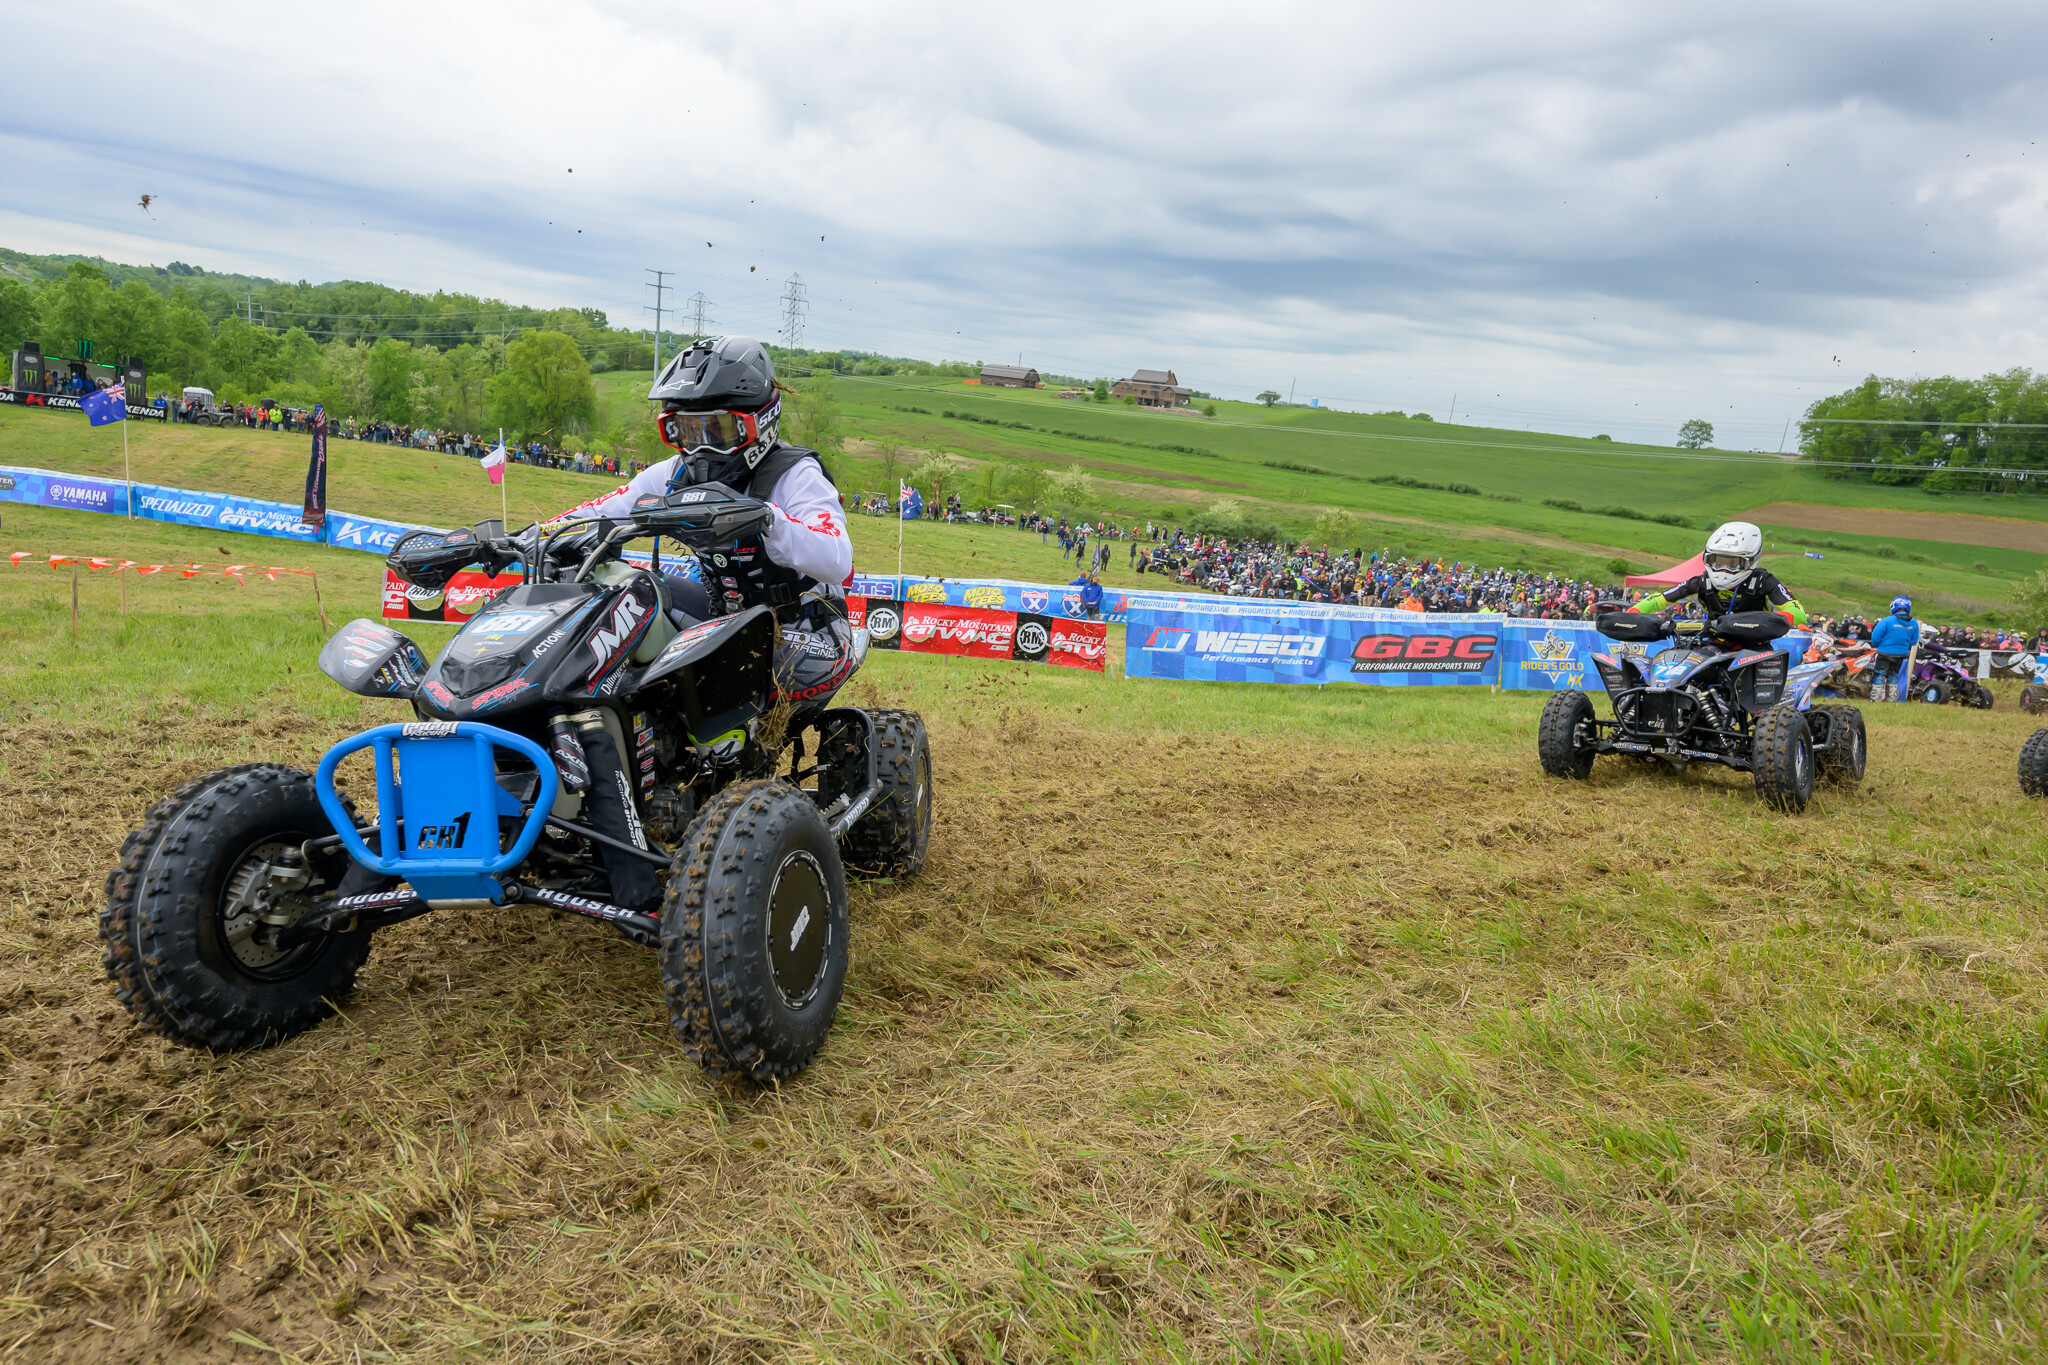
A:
(1506, 524)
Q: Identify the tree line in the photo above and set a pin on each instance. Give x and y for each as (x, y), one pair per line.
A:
(1944, 434)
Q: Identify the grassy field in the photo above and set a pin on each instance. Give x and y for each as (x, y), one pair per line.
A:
(1226, 1022)
(1959, 579)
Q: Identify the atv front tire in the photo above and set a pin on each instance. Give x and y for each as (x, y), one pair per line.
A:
(891, 838)
(1848, 747)
(1564, 736)
(2033, 699)
(185, 942)
(1983, 698)
(2034, 764)
(1934, 693)
(1781, 759)
(754, 933)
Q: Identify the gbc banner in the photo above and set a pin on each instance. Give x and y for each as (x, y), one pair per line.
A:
(1401, 649)
(981, 633)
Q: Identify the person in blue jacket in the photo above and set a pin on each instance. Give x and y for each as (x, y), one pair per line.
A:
(1091, 596)
(1893, 638)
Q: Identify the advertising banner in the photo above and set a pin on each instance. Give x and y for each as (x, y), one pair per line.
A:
(1002, 594)
(464, 596)
(29, 398)
(1400, 649)
(981, 632)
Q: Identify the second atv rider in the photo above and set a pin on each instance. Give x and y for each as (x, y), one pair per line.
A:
(721, 408)
(1730, 579)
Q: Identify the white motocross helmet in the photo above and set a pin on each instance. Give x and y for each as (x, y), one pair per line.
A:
(1732, 551)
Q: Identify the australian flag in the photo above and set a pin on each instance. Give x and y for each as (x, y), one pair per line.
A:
(105, 405)
(910, 505)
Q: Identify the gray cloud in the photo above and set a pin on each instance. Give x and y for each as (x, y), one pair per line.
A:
(1610, 217)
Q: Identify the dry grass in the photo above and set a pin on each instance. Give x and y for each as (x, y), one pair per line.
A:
(1226, 1045)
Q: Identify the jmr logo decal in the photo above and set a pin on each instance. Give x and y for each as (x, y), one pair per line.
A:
(608, 641)
(1423, 653)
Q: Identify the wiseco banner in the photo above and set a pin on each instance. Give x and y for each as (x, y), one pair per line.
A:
(981, 632)
(1401, 649)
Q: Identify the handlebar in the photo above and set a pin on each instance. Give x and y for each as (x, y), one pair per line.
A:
(700, 519)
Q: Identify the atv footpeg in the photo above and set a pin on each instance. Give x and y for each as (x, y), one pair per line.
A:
(438, 805)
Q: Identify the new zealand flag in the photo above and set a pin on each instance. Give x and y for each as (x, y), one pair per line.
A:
(105, 405)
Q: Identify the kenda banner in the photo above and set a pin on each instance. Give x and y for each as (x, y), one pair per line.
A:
(29, 398)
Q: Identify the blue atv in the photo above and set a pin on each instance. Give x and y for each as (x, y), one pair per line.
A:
(586, 743)
(1719, 693)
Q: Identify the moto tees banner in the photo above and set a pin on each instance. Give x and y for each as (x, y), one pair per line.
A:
(316, 472)
(980, 632)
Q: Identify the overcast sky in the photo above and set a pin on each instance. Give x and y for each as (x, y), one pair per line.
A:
(1573, 217)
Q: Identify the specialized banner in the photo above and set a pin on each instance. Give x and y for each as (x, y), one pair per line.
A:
(29, 398)
(981, 632)
(1400, 649)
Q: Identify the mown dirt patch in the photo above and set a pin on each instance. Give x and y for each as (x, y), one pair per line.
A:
(1170, 1050)
(1952, 528)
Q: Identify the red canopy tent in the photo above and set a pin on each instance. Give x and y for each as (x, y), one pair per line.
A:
(1669, 578)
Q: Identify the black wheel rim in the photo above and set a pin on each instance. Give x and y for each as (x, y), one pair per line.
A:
(238, 912)
(799, 928)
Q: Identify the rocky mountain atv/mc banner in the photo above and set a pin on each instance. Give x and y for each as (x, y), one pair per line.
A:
(980, 633)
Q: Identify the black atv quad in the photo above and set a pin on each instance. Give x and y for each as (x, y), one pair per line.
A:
(1718, 694)
(581, 745)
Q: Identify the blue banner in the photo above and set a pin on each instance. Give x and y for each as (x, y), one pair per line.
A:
(1005, 594)
(1399, 649)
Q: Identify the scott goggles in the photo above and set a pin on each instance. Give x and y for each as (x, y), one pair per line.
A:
(720, 431)
(1727, 563)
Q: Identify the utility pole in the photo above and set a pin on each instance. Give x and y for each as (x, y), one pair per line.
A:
(698, 303)
(658, 285)
(1454, 410)
(1290, 392)
(793, 304)
(249, 308)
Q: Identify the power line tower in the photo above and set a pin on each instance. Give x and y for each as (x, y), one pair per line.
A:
(658, 284)
(249, 308)
(698, 303)
(793, 305)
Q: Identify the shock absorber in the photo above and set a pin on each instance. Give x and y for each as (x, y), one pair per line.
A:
(570, 763)
(613, 810)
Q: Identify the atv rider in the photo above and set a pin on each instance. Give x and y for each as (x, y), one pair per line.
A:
(1730, 579)
(721, 407)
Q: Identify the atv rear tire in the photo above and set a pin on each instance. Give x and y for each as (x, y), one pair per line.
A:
(1848, 747)
(2034, 764)
(1983, 698)
(1564, 736)
(1781, 759)
(754, 933)
(187, 953)
(891, 838)
(1934, 693)
(2033, 699)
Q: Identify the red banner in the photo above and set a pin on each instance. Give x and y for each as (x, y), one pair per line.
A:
(980, 633)
(463, 598)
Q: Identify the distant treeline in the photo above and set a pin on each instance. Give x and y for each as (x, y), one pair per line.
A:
(1944, 434)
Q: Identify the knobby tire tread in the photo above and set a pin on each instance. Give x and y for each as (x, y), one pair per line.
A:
(1776, 737)
(888, 841)
(2034, 764)
(1556, 747)
(135, 936)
